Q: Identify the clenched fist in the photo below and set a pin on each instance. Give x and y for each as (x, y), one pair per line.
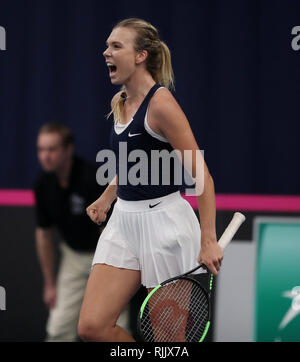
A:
(98, 210)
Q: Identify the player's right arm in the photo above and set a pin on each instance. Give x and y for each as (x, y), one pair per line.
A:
(98, 210)
(45, 252)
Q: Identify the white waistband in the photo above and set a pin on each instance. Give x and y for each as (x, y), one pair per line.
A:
(148, 205)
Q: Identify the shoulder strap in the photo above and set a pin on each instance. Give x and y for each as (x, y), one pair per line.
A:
(143, 107)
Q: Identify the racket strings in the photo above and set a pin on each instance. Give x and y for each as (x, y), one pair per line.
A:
(199, 308)
(164, 296)
(151, 308)
(175, 322)
(176, 312)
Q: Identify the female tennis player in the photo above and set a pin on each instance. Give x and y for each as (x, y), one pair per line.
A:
(153, 233)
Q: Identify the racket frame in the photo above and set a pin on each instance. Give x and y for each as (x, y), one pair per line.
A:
(224, 240)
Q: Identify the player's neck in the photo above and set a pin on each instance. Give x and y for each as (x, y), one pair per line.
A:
(138, 87)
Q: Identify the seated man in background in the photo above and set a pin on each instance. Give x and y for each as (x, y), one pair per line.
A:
(64, 189)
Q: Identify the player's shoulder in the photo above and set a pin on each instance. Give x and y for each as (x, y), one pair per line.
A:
(162, 100)
(164, 93)
(161, 96)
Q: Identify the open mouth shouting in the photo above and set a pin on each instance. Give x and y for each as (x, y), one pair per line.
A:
(112, 69)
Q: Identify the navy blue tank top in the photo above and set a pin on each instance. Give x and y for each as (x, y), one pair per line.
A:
(141, 174)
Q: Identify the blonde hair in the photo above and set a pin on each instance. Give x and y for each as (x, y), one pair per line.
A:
(158, 61)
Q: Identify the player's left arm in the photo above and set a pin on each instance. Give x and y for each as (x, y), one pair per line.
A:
(166, 117)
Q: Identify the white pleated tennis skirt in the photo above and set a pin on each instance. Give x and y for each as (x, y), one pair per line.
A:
(160, 237)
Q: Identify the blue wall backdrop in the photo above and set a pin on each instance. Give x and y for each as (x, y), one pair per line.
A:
(237, 79)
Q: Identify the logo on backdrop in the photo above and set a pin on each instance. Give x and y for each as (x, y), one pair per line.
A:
(294, 309)
(2, 299)
(2, 38)
(296, 40)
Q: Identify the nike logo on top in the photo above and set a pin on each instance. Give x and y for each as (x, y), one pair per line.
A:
(134, 134)
(151, 206)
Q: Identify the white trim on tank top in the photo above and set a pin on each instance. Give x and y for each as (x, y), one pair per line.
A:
(149, 130)
(121, 127)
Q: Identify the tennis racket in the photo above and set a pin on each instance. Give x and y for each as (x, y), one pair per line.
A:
(178, 310)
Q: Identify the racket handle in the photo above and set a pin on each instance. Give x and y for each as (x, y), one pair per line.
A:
(231, 229)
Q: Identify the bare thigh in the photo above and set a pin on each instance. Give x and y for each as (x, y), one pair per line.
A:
(108, 291)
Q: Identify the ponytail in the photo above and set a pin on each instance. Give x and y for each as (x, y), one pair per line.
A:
(165, 74)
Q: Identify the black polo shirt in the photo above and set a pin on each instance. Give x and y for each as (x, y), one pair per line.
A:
(65, 208)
